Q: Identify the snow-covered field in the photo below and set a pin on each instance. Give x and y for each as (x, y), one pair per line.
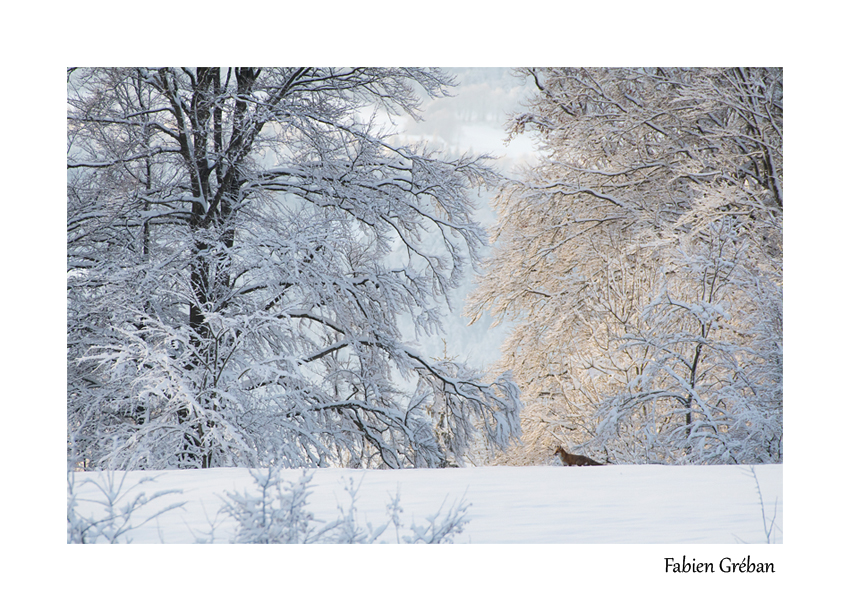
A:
(547, 504)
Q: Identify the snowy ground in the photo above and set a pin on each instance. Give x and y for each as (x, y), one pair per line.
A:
(611, 504)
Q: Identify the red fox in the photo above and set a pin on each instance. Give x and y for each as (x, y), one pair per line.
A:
(574, 460)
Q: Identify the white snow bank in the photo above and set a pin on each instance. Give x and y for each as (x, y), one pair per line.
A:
(611, 504)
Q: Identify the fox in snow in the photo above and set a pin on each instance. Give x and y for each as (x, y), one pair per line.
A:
(574, 460)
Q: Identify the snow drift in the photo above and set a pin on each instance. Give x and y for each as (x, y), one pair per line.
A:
(615, 504)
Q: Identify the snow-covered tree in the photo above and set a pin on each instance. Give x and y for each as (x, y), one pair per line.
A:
(242, 244)
(642, 260)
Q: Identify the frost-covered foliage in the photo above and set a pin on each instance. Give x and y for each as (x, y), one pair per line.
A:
(279, 514)
(642, 260)
(276, 515)
(242, 244)
(115, 521)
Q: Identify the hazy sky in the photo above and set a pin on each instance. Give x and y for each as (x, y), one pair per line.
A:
(473, 120)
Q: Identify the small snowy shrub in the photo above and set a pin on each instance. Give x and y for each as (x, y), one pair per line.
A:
(116, 521)
(436, 531)
(279, 515)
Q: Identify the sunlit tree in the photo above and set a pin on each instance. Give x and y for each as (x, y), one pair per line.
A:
(641, 258)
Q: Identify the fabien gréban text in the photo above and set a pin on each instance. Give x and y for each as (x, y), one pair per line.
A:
(726, 565)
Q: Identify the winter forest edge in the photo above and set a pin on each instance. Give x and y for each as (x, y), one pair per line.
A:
(253, 256)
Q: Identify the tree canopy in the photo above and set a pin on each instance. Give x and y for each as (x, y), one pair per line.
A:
(641, 258)
(242, 244)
